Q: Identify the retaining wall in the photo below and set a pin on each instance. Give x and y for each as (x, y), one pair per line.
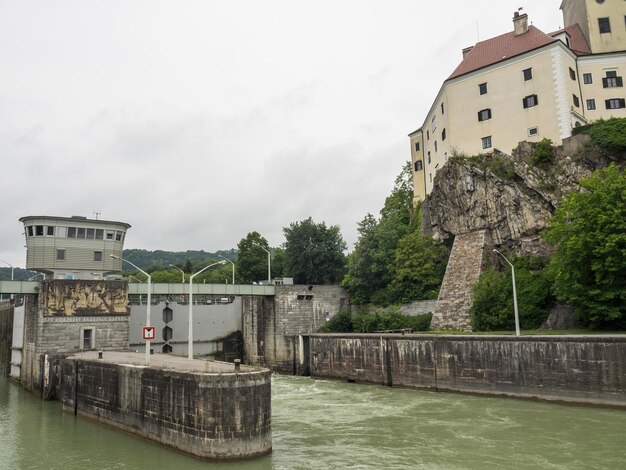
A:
(575, 369)
(214, 415)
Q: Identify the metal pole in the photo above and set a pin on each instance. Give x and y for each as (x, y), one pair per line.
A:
(515, 312)
(269, 263)
(149, 302)
(190, 337)
(230, 263)
(181, 271)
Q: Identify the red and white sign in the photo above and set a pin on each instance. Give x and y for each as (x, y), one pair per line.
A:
(149, 332)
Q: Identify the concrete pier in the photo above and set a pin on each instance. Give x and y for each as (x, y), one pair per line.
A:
(211, 410)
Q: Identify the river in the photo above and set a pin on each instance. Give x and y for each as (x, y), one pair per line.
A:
(333, 425)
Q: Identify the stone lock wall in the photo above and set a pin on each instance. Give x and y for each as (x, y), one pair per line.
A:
(208, 415)
(585, 369)
(6, 337)
(55, 321)
(273, 330)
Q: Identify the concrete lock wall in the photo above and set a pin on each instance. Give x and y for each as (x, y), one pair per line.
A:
(586, 369)
(208, 415)
(6, 337)
(273, 327)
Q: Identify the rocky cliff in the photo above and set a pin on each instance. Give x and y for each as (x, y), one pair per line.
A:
(511, 196)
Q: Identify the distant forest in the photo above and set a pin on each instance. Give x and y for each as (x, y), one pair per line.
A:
(148, 260)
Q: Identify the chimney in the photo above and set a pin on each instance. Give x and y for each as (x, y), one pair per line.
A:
(467, 50)
(520, 23)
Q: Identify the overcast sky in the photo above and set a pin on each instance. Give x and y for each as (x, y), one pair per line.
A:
(199, 121)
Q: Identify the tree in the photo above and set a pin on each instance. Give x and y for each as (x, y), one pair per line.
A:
(314, 252)
(252, 259)
(589, 233)
(420, 264)
(370, 265)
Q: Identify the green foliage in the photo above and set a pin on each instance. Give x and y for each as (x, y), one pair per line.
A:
(365, 321)
(609, 135)
(492, 302)
(370, 265)
(340, 323)
(544, 154)
(420, 264)
(314, 253)
(252, 258)
(589, 233)
(160, 260)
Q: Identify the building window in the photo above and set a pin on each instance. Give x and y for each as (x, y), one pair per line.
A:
(87, 339)
(118, 236)
(97, 256)
(80, 232)
(528, 74)
(50, 231)
(29, 230)
(604, 24)
(430, 177)
(443, 134)
(591, 104)
(110, 234)
(39, 230)
(61, 255)
(611, 80)
(442, 109)
(482, 88)
(419, 166)
(533, 131)
(576, 101)
(615, 103)
(486, 142)
(587, 79)
(435, 146)
(99, 234)
(429, 156)
(530, 101)
(572, 74)
(427, 135)
(484, 114)
(417, 146)
(91, 233)
(433, 122)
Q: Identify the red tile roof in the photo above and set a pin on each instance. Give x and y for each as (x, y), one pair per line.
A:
(508, 45)
(577, 42)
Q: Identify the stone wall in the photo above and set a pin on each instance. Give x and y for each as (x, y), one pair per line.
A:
(50, 332)
(419, 307)
(6, 337)
(272, 327)
(574, 369)
(208, 415)
(470, 253)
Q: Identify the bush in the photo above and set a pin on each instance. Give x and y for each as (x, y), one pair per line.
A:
(340, 323)
(492, 307)
(381, 320)
(609, 135)
(544, 154)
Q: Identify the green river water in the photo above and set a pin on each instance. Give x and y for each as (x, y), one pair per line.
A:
(332, 425)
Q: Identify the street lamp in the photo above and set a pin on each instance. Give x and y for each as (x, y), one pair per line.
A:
(230, 263)
(181, 271)
(12, 272)
(147, 307)
(269, 263)
(517, 330)
(190, 338)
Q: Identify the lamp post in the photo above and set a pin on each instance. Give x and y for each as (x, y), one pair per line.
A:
(147, 307)
(181, 271)
(230, 263)
(190, 338)
(12, 272)
(269, 263)
(517, 330)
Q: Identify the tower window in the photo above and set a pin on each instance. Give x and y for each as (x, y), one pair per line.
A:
(528, 74)
(530, 101)
(486, 141)
(604, 24)
(482, 88)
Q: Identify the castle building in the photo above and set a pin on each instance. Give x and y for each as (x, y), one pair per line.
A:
(73, 247)
(526, 85)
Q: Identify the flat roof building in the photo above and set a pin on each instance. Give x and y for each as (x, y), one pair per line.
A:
(73, 247)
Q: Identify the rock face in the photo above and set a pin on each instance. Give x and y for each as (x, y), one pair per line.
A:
(507, 195)
(497, 201)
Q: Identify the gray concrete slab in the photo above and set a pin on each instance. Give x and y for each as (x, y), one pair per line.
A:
(163, 361)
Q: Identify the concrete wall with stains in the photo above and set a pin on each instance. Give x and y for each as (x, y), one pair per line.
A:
(576, 369)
